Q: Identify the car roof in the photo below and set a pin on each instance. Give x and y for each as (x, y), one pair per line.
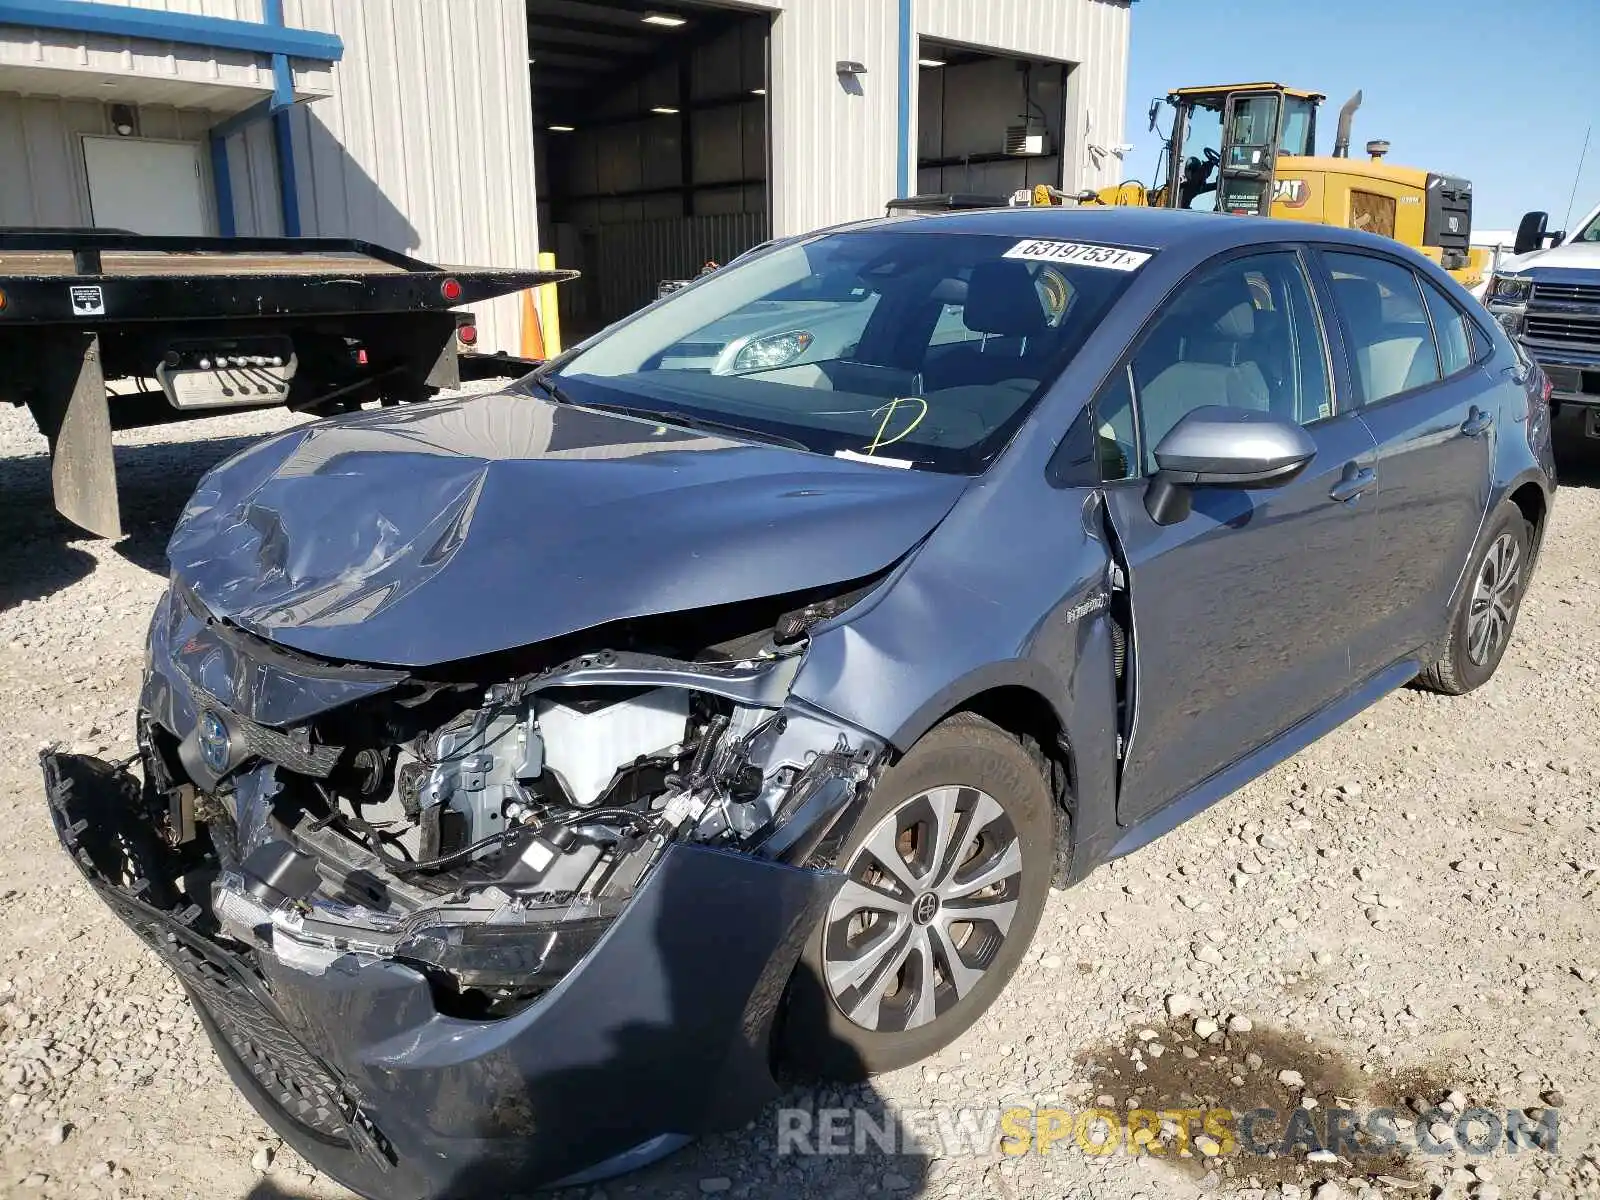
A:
(1140, 228)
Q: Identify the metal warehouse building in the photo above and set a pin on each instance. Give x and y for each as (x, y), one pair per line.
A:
(636, 139)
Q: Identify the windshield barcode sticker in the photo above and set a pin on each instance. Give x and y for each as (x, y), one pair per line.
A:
(1111, 258)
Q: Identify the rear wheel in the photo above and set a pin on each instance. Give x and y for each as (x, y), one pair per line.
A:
(948, 870)
(1486, 612)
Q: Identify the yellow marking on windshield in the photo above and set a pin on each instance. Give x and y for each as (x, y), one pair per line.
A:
(888, 411)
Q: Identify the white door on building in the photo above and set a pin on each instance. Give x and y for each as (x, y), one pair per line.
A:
(147, 186)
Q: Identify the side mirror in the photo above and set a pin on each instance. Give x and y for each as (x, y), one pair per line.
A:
(1530, 232)
(1155, 111)
(1214, 446)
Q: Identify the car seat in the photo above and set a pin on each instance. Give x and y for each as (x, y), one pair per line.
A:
(1391, 355)
(1210, 345)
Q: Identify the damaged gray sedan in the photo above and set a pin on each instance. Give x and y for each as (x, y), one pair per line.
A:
(522, 777)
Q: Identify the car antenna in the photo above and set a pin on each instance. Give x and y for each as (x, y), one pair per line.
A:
(1566, 222)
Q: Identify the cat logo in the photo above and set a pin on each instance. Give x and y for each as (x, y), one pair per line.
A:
(1291, 193)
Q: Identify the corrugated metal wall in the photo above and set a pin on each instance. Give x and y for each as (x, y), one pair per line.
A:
(834, 143)
(426, 144)
(169, 72)
(253, 180)
(41, 153)
(235, 10)
(833, 136)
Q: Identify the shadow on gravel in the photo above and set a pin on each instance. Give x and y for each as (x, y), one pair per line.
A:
(1577, 456)
(41, 551)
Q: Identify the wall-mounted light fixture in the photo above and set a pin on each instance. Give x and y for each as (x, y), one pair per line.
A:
(124, 120)
(846, 66)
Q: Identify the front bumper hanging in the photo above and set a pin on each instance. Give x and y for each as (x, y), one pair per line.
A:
(660, 1034)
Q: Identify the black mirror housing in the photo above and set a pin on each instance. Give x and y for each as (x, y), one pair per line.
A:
(1530, 232)
(1213, 446)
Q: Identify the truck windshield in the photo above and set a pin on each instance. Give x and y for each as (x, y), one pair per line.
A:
(922, 349)
(1591, 229)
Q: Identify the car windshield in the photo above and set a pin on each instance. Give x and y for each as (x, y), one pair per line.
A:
(920, 349)
(1591, 231)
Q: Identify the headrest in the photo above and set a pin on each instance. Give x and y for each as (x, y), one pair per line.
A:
(1238, 322)
(1360, 300)
(1002, 300)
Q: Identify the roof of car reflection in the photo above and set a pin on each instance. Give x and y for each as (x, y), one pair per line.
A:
(1142, 228)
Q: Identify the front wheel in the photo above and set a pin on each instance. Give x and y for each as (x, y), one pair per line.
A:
(948, 871)
(1486, 612)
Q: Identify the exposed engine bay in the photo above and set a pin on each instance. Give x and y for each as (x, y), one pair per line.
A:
(489, 834)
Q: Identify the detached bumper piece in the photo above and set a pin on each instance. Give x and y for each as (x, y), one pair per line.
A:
(658, 1035)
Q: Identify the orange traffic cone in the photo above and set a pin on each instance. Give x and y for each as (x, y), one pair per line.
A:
(532, 331)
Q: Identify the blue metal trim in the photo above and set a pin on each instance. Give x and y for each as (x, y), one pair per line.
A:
(282, 135)
(88, 16)
(908, 41)
(282, 83)
(258, 111)
(289, 197)
(222, 184)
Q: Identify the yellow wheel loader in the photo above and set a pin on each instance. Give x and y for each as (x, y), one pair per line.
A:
(1250, 149)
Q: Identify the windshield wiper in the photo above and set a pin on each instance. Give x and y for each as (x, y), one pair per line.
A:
(550, 388)
(692, 421)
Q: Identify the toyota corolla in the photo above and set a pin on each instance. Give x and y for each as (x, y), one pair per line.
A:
(521, 777)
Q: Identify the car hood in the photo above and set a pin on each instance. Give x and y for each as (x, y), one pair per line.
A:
(1581, 256)
(441, 531)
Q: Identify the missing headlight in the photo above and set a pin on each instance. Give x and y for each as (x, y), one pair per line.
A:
(493, 851)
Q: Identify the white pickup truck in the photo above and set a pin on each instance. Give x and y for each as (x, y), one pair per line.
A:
(1547, 296)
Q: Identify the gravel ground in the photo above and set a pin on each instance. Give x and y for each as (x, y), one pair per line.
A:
(1405, 911)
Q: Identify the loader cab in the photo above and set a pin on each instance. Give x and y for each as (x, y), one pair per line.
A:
(1225, 143)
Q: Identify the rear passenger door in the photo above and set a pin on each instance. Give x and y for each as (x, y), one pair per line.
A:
(1411, 358)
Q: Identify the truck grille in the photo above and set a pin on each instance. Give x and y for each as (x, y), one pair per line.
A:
(1567, 293)
(1549, 328)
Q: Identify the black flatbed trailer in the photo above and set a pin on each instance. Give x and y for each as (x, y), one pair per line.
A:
(193, 327)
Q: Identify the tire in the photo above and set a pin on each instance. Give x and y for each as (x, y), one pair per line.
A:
(1486, 611)
(855, 1004)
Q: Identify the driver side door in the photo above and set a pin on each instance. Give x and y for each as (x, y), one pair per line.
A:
(1241, 610)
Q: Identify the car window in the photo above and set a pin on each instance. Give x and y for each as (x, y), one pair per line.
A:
(1117, 439)
(925, 349)
(1449, 330)
(1243, 334)
(1391, 341)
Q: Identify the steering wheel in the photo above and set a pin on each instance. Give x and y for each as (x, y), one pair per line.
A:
(1212, 156)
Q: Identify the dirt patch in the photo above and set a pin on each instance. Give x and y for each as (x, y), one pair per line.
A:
(1258, 1106)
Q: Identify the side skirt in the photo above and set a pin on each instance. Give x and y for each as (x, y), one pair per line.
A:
(1291, 741)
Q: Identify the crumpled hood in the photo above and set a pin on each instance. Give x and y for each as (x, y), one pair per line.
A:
(434, 532)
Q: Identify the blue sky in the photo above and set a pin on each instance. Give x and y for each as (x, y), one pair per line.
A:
(1497, 92)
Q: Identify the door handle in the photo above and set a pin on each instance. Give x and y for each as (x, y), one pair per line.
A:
(1477, 423)
(1356, 480)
